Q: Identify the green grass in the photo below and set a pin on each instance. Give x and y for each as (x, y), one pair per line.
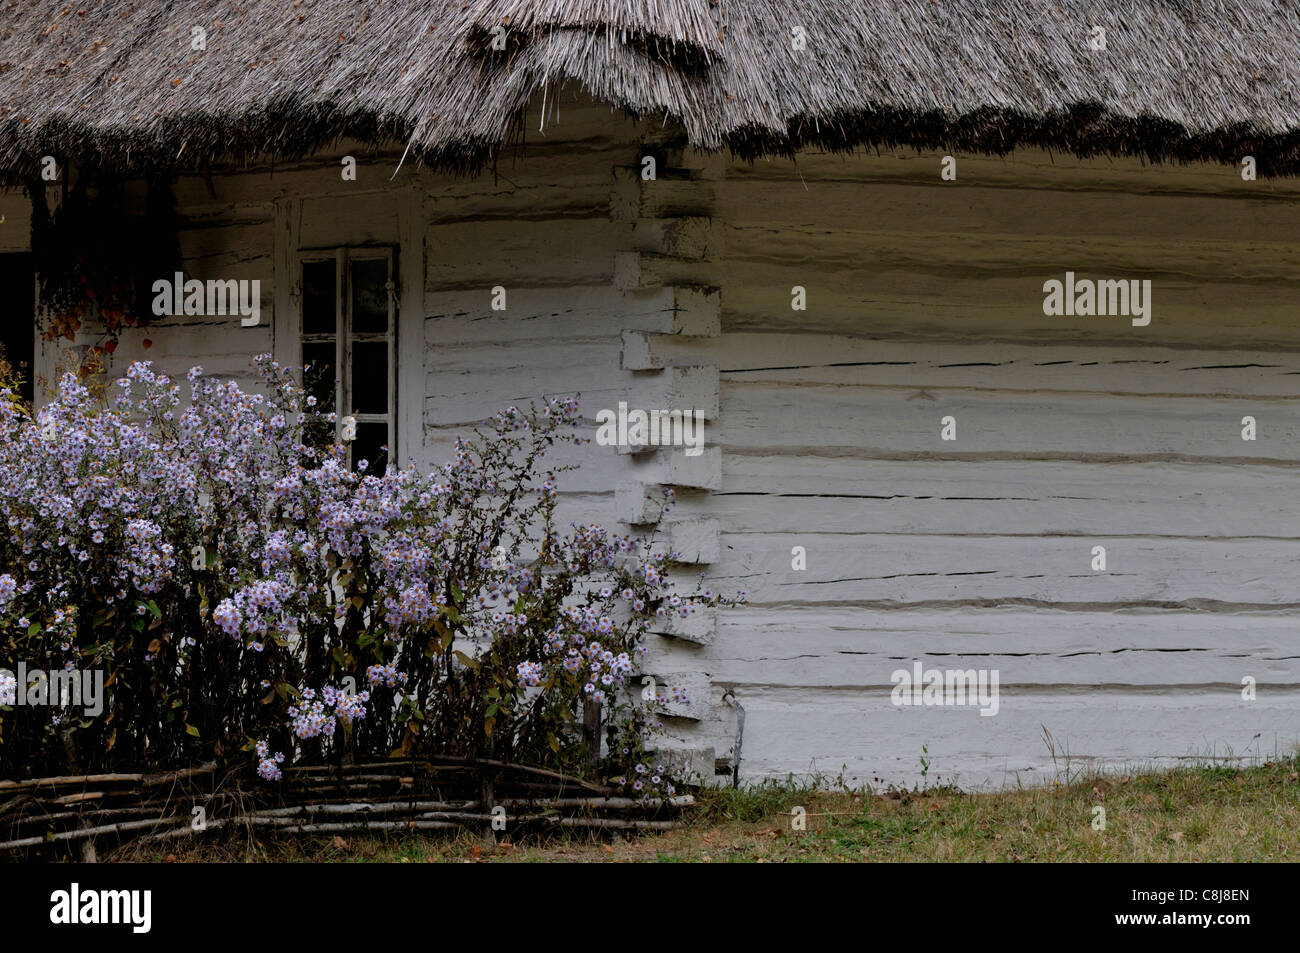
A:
(1203, 813)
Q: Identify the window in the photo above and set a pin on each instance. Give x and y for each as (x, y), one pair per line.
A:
(348, 319)
(18, 316)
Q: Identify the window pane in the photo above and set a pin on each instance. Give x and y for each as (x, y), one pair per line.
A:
(318, 381)
(370, 296)
(318, 298)
(370, 377)
(371, 445)
(319, 377)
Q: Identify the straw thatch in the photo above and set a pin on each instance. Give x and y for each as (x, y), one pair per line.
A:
(116, 82)
(681, 32)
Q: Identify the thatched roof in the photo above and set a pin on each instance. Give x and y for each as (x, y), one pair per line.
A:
(116, 82)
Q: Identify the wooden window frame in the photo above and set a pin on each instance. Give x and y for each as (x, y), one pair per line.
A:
(344, 338)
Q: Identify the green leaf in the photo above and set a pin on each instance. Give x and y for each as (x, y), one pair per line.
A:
(470, 663)
(33, 629)
(365, 639)
(153, 607)
(190, 729)
(338, 655)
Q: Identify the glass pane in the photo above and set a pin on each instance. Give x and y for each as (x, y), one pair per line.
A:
(370, 377)
(318, 380)
(370, 296)
(371, 445)
(318, 298)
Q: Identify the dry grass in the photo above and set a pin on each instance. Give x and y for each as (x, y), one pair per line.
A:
(1193, 814)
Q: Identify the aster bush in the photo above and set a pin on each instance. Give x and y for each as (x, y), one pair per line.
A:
(251, 598)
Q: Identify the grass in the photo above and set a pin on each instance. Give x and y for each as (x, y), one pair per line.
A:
(1203, 813)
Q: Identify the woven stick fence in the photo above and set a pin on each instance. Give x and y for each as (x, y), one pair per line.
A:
(400, 795)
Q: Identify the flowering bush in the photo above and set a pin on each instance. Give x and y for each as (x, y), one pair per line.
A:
(244, 590)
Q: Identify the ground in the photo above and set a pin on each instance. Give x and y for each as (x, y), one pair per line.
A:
(1203, 813)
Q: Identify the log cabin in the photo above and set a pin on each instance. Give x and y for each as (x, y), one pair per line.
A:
(826, 227)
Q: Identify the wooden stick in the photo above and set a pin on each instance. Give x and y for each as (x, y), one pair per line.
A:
(84, 779)
(615, 822)
(153, 780)
(71, 815)
(182, 831)
(591, 732)
(258, 820)
(488, 796)
(369, 826)
(84, 832)
(15, 803)
(364, 807)
(527, 769)
(610, 803)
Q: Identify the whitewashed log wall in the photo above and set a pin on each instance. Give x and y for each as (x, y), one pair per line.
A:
(924, 300)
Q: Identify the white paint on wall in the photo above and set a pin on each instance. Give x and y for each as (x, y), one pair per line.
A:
(971, 554)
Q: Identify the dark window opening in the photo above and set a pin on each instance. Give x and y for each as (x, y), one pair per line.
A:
(347, 344)
(18, 316)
